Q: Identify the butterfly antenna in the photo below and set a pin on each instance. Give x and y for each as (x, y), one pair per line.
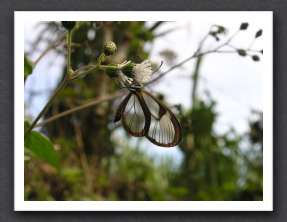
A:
(139, 58)
(115, 83)
(158, 67)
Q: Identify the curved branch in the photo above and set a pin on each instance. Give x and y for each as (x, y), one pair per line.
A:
(51, 46)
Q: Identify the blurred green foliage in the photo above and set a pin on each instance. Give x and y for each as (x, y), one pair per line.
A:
(97, 165)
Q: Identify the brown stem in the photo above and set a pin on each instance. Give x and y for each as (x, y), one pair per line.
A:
(83, 157)
(98, 100)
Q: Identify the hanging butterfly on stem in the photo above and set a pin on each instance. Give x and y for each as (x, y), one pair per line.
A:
(141, 113)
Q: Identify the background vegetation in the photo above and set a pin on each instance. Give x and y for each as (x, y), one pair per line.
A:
(99, 161)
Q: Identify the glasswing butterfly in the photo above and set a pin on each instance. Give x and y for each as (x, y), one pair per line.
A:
(142, 114)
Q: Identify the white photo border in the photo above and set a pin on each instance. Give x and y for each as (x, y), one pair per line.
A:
(19, 20)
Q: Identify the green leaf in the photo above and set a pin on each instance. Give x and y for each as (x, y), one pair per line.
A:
(41, 147)
(28, 66)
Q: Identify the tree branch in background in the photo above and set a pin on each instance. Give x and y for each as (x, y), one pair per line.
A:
(83, 157)
(51, 46)
(242, 52)
(96, 101)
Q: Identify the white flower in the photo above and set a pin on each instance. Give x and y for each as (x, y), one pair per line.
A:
(122, 77)
(142, 72)
(124, 63)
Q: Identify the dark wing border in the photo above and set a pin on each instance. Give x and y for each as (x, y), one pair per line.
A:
(120, 114)
(174, 121)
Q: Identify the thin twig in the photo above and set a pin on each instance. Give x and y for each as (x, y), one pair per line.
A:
(197, 54)
(51, 46)
(203, 40)
(98, 100)
(251, 43)
(69, 39)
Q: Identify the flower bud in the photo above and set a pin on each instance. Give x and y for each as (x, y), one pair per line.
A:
(70, 25)
(241, 52)
(109, 48)
(221, 29)
(255, 58)
(244, 26)
(259, 33)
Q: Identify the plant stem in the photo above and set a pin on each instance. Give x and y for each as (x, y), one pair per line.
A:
(100, 59)
(92, 69)
(80, 69)
(63, 84)
(69, 52)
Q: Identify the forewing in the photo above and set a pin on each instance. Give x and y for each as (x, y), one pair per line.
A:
(132, 116)
(164, 128)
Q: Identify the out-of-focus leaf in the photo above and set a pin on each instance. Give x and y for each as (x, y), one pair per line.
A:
(28, 66)
(41, 146)
(26, 125)
(178, 191)
(73, 175)
(156, 25)
(167, 32)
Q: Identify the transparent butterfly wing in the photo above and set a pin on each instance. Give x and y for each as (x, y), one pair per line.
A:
(134, 120)
(164, 129)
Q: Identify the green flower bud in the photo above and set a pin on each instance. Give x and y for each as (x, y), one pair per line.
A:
(109, 48)
(111, 72)
(241, 52)
(69, 25)
(244, 26)
(259, 33)
(255, 58)
(213, 33)
(221, 29)
(128, 69)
